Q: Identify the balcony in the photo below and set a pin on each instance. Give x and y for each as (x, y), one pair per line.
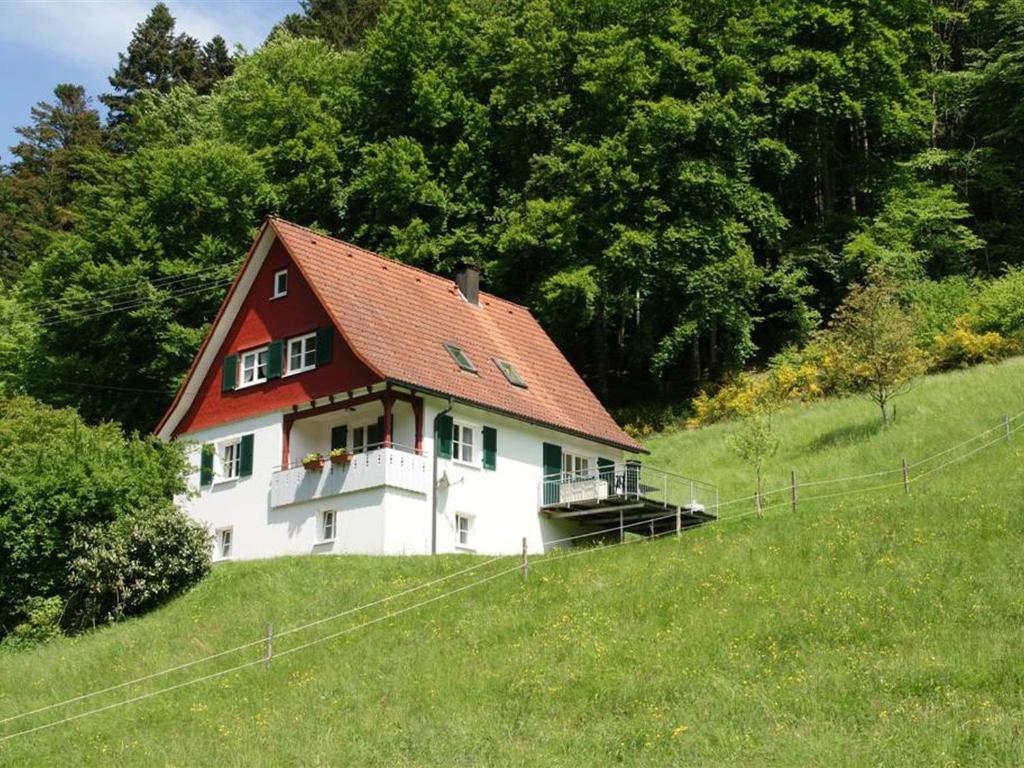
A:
(631, 495)
(393, 467)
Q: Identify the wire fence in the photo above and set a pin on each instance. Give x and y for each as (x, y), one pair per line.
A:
(999, 433)
(1005, 430)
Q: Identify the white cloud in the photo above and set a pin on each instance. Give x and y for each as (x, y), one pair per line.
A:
(92, 32)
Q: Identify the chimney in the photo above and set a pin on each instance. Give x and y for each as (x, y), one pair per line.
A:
(467, 277)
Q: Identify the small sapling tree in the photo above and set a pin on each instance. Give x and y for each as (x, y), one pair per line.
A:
(754, 439)
(874, 335)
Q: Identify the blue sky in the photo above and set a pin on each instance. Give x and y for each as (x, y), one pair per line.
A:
(45, 42)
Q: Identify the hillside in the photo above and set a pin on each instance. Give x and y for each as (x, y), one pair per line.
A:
(881, 627)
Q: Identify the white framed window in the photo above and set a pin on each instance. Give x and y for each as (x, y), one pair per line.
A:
(328, 525)
(254, 367)
(225, 543)
(574, 466)
(462, 443)
(280, 284)
(302, 353)
(229, 455)
(463, 523)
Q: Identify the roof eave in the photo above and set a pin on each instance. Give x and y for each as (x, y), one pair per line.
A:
(209, 334)
(633, 448)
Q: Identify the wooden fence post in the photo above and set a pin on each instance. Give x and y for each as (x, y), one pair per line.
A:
(523, 567)
(268, 648)
(906, 478)
(679, 520)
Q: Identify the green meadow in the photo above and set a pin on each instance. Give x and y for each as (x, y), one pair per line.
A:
(868, 627)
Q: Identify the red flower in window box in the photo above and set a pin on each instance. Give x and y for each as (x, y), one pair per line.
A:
(313, 462)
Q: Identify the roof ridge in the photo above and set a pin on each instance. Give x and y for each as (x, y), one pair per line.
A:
(389, 260)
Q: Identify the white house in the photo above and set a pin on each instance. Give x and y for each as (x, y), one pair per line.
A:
(432, 417)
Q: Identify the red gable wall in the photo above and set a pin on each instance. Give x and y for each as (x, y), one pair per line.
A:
(259, 321)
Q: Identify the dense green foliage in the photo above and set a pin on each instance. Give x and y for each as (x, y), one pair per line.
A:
(87, 522)
(878, 629)
(677, 190)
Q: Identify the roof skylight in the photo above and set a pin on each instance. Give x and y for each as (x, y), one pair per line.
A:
(461, 358)
(510, 373)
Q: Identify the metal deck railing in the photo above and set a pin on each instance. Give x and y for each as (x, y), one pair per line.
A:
(627, 481)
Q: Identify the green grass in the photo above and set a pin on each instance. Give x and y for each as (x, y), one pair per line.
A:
(872, 629)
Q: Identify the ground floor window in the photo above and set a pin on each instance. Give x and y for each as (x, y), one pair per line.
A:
(225, 540)
(462, 525)
(328, 525)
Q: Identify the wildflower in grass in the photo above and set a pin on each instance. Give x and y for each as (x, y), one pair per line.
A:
(679, 730)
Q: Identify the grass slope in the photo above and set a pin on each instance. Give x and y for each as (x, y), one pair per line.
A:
(862, 630)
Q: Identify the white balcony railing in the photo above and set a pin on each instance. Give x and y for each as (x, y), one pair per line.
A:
(628, 481)
(392, 467)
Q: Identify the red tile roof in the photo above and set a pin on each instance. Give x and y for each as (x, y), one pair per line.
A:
(395, 317)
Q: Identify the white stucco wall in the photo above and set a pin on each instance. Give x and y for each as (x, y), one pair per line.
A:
(502, 504)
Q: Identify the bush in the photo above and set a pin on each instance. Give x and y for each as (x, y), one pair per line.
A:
(962, 347)
(794, 375)
(133, 565)
(64, 484)
(940, 304)
(42, 622)
(999, 306)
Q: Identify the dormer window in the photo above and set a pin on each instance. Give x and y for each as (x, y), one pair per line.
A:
(461, 358)
(280, 284)
(510, 373)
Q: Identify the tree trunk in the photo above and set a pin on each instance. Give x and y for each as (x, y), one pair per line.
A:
(695, 375)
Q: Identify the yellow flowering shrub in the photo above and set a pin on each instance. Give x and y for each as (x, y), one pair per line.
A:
(963, 346)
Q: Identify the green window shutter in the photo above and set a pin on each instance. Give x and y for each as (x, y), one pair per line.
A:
(339, 437)
(230, 378)
(245, 457)
(206, 464)
(275, 359)
(444, 437)
(552, 468)
(324, 337)
(490, 447)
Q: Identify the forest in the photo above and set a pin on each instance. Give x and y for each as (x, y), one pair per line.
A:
(679, 191)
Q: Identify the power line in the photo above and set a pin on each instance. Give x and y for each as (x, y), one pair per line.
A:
(163, 282)
(131, 305)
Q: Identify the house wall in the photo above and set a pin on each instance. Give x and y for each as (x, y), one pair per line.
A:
(260, 320)
(502, 503)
